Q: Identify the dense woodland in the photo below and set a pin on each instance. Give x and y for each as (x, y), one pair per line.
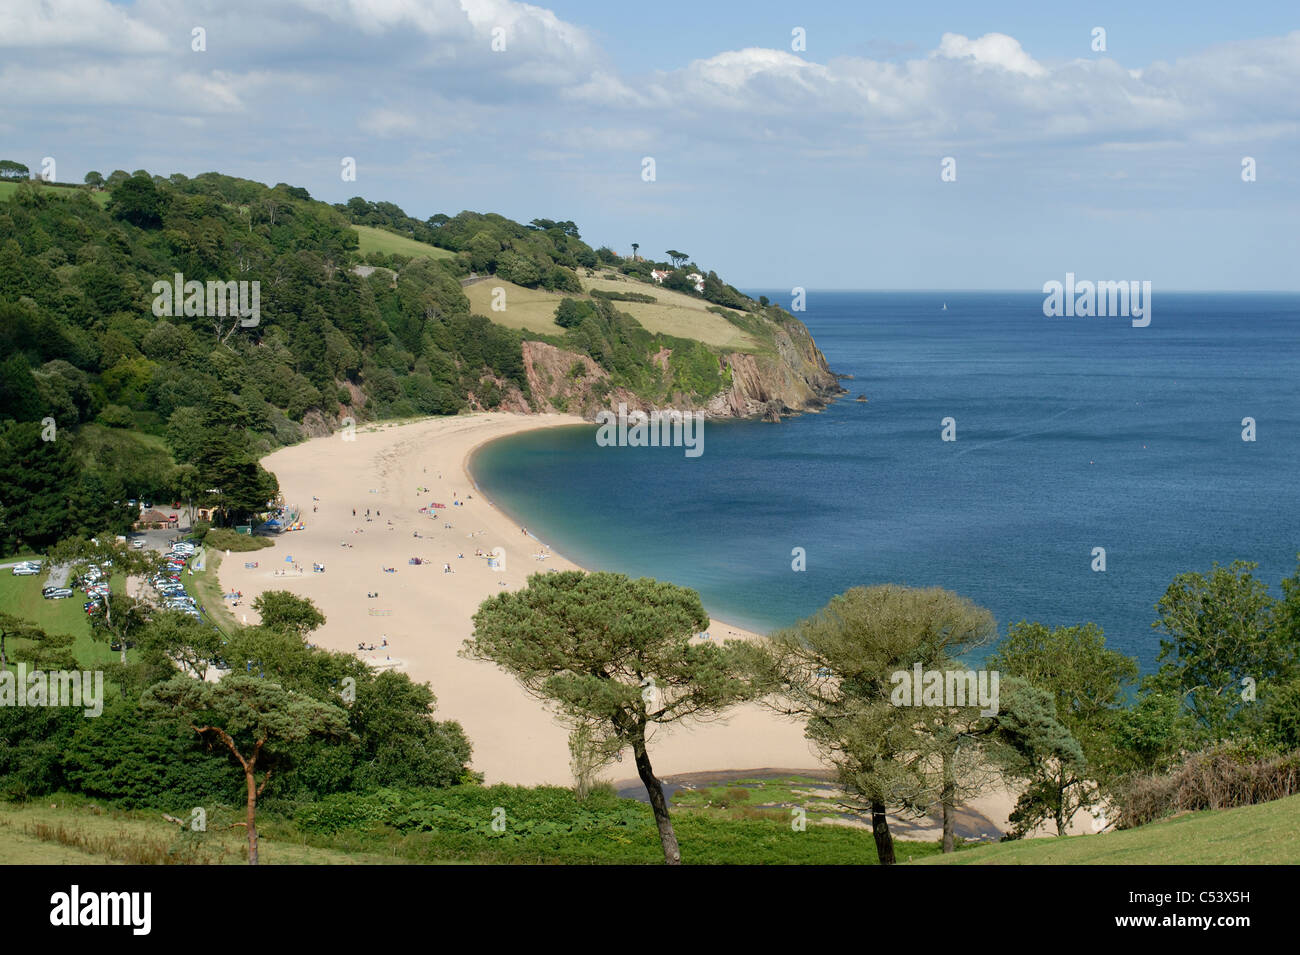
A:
(122, 404)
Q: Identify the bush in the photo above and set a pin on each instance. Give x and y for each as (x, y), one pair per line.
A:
(572, 312)
(623, 296)
(1218, 778)
(223, 538)
(116, 416)
(200, 529)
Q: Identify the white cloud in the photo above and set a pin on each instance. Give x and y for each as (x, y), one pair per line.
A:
(77, 24)
(992, 49)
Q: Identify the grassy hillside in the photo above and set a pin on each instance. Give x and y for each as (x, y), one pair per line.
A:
(672, 313)
(527, 308)
(1265, 834)
(41, 834)
(678, 314)
(381, 240)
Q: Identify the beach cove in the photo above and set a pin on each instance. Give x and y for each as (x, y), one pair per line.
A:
(423, 613)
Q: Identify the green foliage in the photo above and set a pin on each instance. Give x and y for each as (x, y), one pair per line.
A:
(287, 612)
(623, 296)
(138, 202)
(572, 312)
(1225, 631)
(548, 824)
(223, 538)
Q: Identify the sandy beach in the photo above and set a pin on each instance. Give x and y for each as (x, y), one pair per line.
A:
(421, 614)
(424, 613)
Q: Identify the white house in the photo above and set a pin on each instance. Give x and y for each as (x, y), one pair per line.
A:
(695, 278)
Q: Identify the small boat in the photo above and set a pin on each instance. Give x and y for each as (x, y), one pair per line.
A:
(862, 398)
(945, 307)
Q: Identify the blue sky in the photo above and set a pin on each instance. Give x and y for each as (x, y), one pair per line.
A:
(777, 167)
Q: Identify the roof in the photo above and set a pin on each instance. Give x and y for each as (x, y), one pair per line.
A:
(154, 517)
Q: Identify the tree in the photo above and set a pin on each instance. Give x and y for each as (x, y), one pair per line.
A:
(1224, 633)
(288, 613)
(616, 657)
(137, 201)
(836, 671)
(94, 179)
(225, 461)
(1040, 751)
(678, 258)
(1087, 683)
(120, 623)
(13, 170)
(49, 651)
(572, 312)
(250, 717)
(173, 640)
(37, 478)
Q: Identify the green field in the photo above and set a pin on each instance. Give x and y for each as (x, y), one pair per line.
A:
(21, 596)
(1266, 834)
(672, 313)
(529, 308)
(7, 189)
(380, 240)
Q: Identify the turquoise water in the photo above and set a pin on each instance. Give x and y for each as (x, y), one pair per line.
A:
(1071, 434)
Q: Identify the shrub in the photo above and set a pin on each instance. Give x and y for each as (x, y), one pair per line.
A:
(223, 538)
(1218, 778)
(572, 312)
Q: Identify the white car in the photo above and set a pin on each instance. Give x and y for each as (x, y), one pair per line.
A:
(26, 570)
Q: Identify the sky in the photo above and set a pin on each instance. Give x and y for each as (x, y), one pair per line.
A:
(793, 144)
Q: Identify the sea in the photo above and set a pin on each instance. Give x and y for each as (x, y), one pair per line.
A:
(1089, 463)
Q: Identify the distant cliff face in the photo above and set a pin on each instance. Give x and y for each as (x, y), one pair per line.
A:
(788, 375)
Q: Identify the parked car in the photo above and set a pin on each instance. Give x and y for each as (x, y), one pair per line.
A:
(58, 593)
(25, 570)
(138, 543)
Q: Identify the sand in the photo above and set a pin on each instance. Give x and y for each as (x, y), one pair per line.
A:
(425, 614)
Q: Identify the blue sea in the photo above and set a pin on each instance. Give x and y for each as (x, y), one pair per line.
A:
(1071, 434)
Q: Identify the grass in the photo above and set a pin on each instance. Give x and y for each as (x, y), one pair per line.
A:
(205, 587)
(676, 313)
(529, 308)
(21, 596)
(672, 313)
(381, 240)
(548, 824)
(42, 833)
(1265, 834)
(7, 189)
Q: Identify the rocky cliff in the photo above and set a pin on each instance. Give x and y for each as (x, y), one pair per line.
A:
(787, 375)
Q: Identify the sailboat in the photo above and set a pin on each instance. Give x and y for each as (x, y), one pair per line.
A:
(945, 307)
